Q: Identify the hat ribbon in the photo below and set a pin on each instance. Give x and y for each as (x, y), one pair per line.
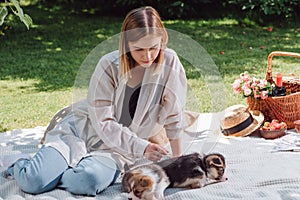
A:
(238, 127)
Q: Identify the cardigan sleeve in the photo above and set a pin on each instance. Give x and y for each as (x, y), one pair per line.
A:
(174, 98)
(102, 112)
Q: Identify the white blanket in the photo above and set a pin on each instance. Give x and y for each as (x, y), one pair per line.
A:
(254, 171)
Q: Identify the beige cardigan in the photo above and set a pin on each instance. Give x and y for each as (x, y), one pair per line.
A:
(92, 127)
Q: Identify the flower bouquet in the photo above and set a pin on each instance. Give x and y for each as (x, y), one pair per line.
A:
(252, 87)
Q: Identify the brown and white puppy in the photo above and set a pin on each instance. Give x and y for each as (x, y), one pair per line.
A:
(194, 171)
(147, 182)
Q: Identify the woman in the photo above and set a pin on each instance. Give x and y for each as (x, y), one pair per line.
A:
(135, 95)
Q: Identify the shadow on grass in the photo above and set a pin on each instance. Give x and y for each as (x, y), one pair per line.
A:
(237, 47)
(53, 50)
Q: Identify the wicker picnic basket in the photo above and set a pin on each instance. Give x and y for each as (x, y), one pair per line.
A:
(284, 108)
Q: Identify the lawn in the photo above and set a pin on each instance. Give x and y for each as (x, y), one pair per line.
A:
(39, 67)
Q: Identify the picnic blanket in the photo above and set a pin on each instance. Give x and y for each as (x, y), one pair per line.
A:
(254, 169)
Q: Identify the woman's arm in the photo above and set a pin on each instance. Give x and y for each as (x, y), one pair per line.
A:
(176, 147)
(173, 102)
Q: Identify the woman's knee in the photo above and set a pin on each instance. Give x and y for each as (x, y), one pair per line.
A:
(95, 182)
(90, 177)
(40, 174)
(36, 184)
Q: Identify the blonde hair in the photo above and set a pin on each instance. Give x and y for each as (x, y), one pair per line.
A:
(139, 23)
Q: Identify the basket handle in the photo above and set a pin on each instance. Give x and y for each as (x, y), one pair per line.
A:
(277, 53)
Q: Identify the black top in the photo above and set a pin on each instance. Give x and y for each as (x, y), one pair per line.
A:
(129, 104)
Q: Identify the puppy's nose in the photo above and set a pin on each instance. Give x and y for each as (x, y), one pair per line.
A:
(129, 198)
(224, 178)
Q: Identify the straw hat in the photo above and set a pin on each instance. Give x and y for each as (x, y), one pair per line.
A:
(239, 121)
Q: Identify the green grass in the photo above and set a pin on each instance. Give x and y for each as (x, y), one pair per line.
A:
(38, 66)
(23, 106)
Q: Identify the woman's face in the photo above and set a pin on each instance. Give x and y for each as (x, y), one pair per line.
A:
(145, 50)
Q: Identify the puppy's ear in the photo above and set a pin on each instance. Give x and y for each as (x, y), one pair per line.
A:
(145, 181)
(126, 181)
(215, 160)
(222, 158)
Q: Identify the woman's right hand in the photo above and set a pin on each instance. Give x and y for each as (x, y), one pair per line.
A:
(155, 152)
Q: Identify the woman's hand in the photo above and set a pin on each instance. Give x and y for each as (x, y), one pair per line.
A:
(155, 152)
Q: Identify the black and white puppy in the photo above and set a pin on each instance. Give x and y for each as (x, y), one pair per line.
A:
(194, 171)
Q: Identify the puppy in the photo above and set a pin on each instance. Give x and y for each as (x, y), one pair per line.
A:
(147, 182)
(193, 171)
(215, 167)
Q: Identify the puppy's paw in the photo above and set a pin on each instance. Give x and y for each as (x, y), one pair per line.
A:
(126, 189)
(125, 182)
(196, 185)
(159, 196)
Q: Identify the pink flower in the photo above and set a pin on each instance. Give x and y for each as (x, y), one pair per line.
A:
(262, 84)
(249, 86)
(245, 76)
(247, 92)
(236, 86)
(254, 84)
(237, 91)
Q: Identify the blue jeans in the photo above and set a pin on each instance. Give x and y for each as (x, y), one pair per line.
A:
(48, 170)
